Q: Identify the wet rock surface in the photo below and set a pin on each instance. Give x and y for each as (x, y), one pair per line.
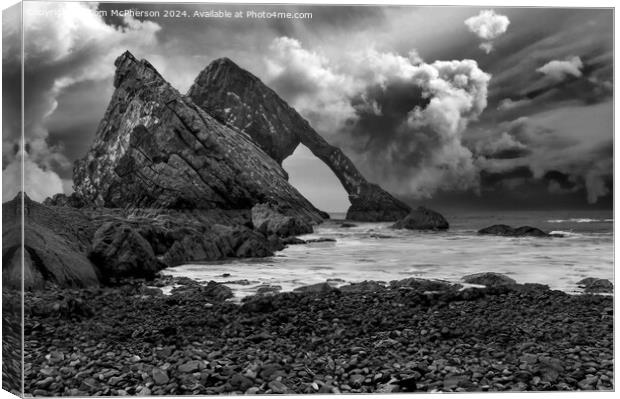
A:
(89, 246)
(489, 279)
(269, 220)
(238, 98)
(596, 285)
(299, 241)
(422, 219)
(523, 231)
(502, 338)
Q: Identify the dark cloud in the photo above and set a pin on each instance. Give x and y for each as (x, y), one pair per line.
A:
(78, 112)
(64, 44)
(402, 118)
(542, 137)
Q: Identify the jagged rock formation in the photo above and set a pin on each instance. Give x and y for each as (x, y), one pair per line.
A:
(73, 200)
(238, 98)
(83, 247)
(156, 148)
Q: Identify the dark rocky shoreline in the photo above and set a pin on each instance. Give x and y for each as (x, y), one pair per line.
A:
(414, 335)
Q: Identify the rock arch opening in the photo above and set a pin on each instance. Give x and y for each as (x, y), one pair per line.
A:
(316, 181)
(239, 99)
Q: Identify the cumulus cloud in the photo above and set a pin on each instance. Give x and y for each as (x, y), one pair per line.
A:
(65, 43)
(39, 183)
(398, 112)
(306, 79)
(502, 147)
(488, 26)
(560, 70)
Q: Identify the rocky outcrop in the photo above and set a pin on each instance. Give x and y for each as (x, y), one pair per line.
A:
(269, 220)
(421, 284)
(505, 230)
(178, 237)
(236, 97)
(489, 279)
(316, 288)
(73, 247)
(73, 200)
(422, 219)
(596, 285)
(213, 291)
(364, 286)
(155, 148)
(119, 251)
(55, 245)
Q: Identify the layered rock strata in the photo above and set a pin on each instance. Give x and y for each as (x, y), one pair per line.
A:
(238, 98)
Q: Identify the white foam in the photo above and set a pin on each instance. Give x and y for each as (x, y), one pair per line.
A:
(356, 256)
(580, 220)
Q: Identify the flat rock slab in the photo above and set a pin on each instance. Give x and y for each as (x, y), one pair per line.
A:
(523, 231)
(489, 279)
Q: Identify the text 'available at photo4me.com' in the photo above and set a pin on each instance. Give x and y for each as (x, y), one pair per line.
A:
(184, 12)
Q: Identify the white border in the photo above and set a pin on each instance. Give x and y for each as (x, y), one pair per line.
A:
(476, 3)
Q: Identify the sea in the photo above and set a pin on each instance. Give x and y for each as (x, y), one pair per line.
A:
(375, 251)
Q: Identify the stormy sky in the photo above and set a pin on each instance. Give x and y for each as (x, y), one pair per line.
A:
(445, 106)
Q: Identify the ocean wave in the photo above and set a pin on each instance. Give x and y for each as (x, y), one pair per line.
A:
(565, 233)
(580, 220)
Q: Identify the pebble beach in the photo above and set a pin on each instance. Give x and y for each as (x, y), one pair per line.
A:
(412, 335)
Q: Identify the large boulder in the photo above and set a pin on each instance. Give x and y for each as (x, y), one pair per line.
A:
(422, 219)
(596, 285)
(315, 288)
(119, 251)
(269, 220)
(238, 98)
(55, 244)
(155, 148)
(505, 230)
(489, 279)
